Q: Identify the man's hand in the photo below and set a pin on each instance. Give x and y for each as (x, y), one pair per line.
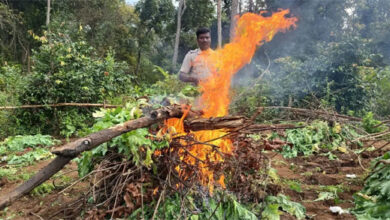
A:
(185, 77)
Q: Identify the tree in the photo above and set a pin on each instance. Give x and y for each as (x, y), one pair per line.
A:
(48, 13)
(372, 21)
(233, 19)
(16, 18)
(219, 21)
(251, 6)
(154, 33)
(68, 70)
(180, 11)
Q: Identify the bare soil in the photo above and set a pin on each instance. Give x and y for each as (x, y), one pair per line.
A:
(316, 172)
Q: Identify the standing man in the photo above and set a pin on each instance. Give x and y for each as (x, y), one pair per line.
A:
(194, 67)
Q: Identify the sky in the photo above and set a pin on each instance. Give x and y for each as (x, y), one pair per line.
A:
(131, 2)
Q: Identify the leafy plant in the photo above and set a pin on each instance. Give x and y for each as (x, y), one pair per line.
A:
(170, 85)
(371, 125)
(294, 185)
(29, 157)
(373, 201)
(318, 135)
(7, 172)
(19, 143)
(43, 189)
(325, 196)
(330, 193)
(67, 69)
(128, 144)
(32, 146)
(223, 206)
(274, 203)
(11, 86)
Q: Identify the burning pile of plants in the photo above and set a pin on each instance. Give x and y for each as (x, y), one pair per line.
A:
(164, 178)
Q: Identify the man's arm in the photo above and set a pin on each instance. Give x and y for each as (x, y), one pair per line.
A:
(184, 74)
(185, 77)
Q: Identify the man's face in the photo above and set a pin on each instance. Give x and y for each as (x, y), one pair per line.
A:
(204, 41)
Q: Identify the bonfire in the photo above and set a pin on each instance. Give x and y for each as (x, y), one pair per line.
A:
(252, 31)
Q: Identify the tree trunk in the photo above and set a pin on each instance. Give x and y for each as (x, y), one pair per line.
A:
(240, 7)
(138, 61)
(219, 15)
(48, 13)
(251, 6)
(180, 12)
(233, 19)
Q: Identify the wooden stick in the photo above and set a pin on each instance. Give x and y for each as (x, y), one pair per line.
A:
(320, 113)
(59, 105)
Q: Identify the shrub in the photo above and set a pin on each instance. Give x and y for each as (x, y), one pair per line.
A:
(68, 70)
(12, 84)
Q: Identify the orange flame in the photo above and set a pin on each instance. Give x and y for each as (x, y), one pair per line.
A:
(252, 30)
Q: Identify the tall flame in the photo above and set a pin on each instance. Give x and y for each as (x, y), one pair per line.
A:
(252, 30)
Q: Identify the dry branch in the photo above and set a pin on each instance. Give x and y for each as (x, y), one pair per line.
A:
(59, 105)
(227, 122)
(317, 113)
(267, 127)
(231, 123)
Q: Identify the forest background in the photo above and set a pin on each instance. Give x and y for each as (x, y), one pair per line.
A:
(95, 51)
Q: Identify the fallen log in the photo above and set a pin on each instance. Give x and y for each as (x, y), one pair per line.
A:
(227, 122)
(71, 150)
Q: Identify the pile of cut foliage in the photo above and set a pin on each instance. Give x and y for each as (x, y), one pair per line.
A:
(134, 175)
(145, 184)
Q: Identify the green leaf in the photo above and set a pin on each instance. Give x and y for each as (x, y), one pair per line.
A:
(271, 212)
(325, 196)
(291, 207)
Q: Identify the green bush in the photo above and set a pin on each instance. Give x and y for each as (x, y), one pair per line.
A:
(371, 125)
(67, 70)
(12, 84)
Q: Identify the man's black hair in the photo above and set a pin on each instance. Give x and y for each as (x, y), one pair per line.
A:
(202, 30)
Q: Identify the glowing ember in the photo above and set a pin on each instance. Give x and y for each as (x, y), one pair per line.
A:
(251, 31)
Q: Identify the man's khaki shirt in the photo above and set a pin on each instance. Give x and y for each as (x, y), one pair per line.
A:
(196, 65)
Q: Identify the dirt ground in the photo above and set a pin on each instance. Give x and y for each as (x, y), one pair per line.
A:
(313, 174)
(317, 173)
(44, 206)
